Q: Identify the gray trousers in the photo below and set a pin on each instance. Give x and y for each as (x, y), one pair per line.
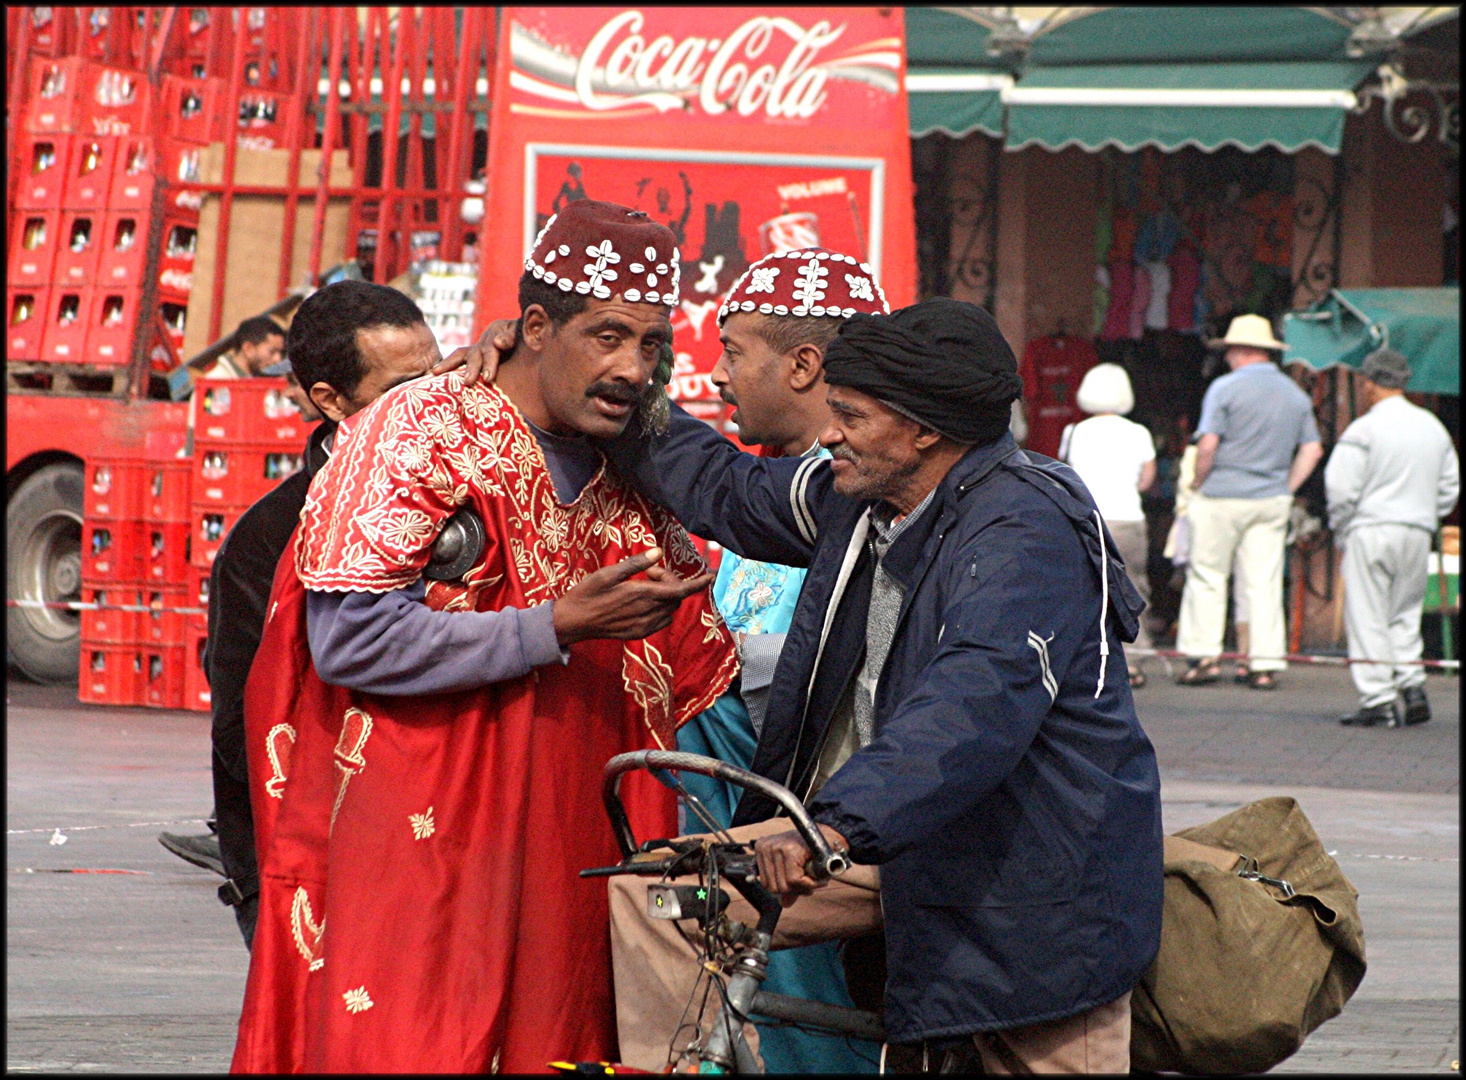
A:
(1385, 568)
(1132, 540)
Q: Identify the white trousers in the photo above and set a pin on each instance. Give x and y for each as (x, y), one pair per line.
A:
(1385, 568)
(1253, 532)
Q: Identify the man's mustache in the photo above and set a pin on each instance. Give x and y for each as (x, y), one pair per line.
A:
(727, 395)
(616, 391)
(844, 453)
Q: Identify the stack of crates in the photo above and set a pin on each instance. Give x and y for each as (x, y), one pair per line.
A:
(248, 436)
(88, 164)
(135, 568)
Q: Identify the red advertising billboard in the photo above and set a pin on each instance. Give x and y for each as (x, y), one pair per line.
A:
(744, 130)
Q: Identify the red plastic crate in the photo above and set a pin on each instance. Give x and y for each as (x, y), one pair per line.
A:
(175, 261)
(247, 411)
(167, 552)
(54, 97)
(110, 675)
(79, 250)
(162, 676)
(239, 475)
(193, 108)
(198, 594)
(90, 172)
(137, 163)
(26, 322)
(265, 118)
(122, 249)
(113, 319)
(65, 338)
(35, 237)
(164, 622)
(112, 551)
(110, 625)
(114, 489)
(196, 696)
(211, 524)
(43, 162)
(167, 490)
(115, 100)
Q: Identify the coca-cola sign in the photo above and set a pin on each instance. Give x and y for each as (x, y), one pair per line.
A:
(765, 65)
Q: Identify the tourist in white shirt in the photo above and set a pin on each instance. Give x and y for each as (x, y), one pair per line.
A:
(1115, 458)
(1392, 477)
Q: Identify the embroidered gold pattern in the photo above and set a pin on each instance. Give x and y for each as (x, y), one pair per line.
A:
(279, 762)
(302, 922)
(356, 726)
(422, 824)
(358, 1000)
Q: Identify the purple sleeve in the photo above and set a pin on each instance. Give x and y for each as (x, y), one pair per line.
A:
(393, 644)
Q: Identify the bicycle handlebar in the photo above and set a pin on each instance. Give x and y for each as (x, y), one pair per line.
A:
(826, 861)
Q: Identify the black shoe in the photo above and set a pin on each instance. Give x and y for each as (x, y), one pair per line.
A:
(1371, 716)
(200, 850)
(1417, 706)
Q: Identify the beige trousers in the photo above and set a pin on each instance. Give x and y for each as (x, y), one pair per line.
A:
(657, 975)
(1253, 532)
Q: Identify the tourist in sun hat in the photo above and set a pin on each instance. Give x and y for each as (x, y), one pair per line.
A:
(1258, 444)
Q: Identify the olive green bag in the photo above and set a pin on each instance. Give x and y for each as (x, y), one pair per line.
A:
(1260, 944)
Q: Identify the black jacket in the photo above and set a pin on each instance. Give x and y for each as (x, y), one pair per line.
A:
(239, 590)
(1010, 795)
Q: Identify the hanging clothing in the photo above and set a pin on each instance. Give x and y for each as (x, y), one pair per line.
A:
(1185, 269)
(1139, 302)
(1122, 297)
(1158, 310)
(1052, 368)
(440, 835)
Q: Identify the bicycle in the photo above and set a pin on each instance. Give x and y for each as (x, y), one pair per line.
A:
(730, 949)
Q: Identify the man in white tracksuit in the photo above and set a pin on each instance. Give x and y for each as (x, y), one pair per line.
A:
(1392, 476)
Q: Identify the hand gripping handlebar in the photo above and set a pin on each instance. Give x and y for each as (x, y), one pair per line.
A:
(825, 862)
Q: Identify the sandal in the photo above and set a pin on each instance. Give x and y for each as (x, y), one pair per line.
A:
(1137, 678)
(1242, 674)
(1200, 673)
(1262, 680)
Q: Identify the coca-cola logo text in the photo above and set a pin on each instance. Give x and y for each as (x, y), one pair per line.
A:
(722, 74)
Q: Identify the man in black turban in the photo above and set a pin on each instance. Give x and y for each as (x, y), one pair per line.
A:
(945, 704)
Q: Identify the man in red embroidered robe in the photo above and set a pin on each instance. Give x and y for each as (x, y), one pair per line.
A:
(423, 800)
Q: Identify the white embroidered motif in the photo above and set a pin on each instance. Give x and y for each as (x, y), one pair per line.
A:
(860, 287)
(358, 1000)
(810, 287)
(422, 824)
(302, 921)
(763, 279)
(275, 786)
(1041, 646)
(356, 727)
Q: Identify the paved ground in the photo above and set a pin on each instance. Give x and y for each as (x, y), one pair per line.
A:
(144, 971)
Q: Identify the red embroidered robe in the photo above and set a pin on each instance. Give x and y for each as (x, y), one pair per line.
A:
(419, 904)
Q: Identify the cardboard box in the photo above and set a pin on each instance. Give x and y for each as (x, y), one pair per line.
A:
(256, 225)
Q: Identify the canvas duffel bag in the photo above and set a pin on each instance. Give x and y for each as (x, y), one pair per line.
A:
(1260, 944)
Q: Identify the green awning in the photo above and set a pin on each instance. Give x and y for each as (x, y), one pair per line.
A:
(952, 85)
(1287, 105)
(957, 102)
(1204, 33)
(1424, 325)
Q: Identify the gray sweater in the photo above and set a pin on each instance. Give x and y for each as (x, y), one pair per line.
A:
(1395, 465)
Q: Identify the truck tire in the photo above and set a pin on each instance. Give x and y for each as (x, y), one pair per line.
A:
(43, 562)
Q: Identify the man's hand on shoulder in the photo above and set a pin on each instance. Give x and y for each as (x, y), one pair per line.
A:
(607, 604)
(480, 361)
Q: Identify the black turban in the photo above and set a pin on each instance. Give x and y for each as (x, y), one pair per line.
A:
(942, 362)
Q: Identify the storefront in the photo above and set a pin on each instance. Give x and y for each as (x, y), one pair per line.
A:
(1116, 183)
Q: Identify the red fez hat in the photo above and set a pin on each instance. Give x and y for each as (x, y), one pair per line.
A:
(806, 281)
(600, 249)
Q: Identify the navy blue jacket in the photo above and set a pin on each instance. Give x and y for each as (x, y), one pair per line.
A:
(1009, 796)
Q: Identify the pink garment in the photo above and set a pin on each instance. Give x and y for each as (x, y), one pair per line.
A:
(1139, 302)
(1185, 280)
(1122, 296)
